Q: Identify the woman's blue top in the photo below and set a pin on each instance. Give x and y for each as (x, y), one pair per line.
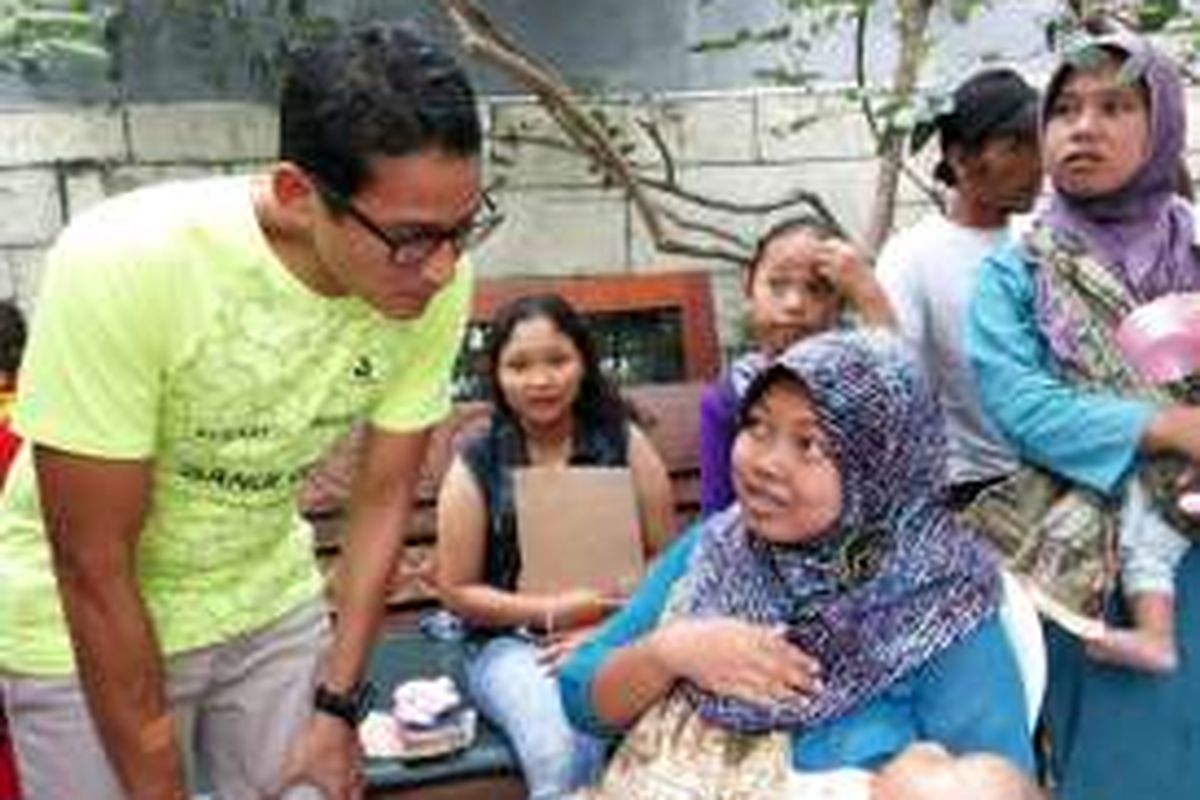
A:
(969, 697)
(1090, 437)
(1118, 734)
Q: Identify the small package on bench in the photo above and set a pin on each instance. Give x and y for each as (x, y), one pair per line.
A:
(429, 719)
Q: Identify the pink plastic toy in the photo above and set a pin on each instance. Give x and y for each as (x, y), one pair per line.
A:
(1161, 340)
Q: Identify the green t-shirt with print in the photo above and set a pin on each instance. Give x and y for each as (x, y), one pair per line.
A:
(168, 330)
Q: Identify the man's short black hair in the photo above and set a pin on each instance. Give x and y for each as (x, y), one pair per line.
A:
(992, 103)
(379, 90)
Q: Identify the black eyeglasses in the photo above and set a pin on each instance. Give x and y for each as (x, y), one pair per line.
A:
(412, 244)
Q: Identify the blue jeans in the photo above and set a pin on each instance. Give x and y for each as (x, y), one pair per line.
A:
(520, 697)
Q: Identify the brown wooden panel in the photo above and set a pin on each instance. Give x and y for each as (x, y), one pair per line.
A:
(687, 291)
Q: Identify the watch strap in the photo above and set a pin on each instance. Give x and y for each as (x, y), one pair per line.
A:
(350, 706)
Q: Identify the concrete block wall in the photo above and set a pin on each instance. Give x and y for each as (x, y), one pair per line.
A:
(57, 161)
(750, 146)
(561, 218)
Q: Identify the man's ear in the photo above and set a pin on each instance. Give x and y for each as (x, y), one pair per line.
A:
(956, 156)
(293, 192)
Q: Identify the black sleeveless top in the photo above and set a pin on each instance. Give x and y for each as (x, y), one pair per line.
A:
(491, 457)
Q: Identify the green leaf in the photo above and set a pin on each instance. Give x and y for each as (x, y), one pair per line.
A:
(1154, 15)
(735, 40)
(743, 37)
(33, 32)
(961, 11)
(796, 124)
(776, 34)
(781, 76)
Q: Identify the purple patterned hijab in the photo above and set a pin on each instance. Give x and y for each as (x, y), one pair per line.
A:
(895, 581)
(1143, 232)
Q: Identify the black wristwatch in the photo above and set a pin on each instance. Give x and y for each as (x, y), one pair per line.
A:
(350, 707)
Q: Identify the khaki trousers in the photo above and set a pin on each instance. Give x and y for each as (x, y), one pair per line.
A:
(237, 706)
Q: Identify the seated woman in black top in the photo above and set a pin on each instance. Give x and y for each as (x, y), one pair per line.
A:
(553, 406)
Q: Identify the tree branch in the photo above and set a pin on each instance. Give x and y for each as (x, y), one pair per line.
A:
(669, 186)
(793, 198)
(482, 38)
(914, 20)
(868, 111)
(660, 146)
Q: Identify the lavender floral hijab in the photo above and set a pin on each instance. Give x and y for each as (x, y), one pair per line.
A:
(1143, 232)
(894, 582)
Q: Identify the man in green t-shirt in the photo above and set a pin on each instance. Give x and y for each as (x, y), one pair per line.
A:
(196, 347)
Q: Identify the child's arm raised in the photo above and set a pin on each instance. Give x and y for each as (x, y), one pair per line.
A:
(851, 277)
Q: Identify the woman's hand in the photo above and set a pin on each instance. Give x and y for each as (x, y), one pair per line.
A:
(578, 608)
(1175, 429)
(738, 659)
(570, 619)
(557, 649)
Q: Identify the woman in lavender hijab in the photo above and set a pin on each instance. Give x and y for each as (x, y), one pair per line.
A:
(1113, 236)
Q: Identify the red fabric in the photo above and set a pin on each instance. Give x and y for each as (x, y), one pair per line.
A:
(10, 442)
(9, 788)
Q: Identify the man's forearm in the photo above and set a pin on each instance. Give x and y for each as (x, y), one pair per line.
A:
(121, 671)
(380, 507)
(373, 546)
(94, 510)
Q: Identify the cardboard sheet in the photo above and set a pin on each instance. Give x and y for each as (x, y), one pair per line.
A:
(577, 527)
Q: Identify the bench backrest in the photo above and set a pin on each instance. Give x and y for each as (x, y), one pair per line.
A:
(669, 413)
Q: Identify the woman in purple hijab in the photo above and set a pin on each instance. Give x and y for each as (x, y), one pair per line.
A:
(1114, 235)
(835, 614)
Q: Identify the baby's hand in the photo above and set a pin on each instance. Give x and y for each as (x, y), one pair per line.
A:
(1189, 498)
